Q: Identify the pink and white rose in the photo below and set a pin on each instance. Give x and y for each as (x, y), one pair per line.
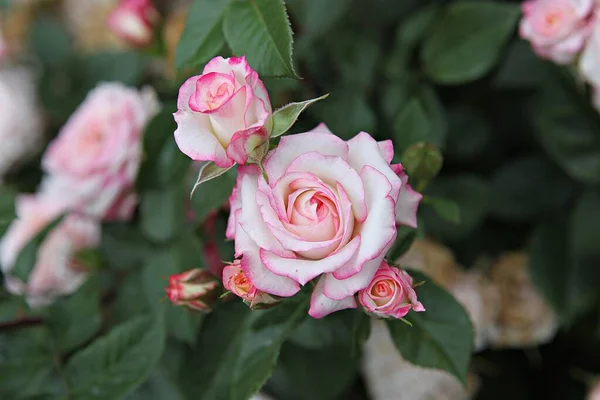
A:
(94, 161)
(195, 289)
(390, 293)
(134, 21)
(557, 29)
(329, 209)
(223, 114)
(57, 271)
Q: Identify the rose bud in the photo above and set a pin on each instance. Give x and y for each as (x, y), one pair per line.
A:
(236, 281)
(133, 21)
(195, 288)
(390, 293)
(223, 114)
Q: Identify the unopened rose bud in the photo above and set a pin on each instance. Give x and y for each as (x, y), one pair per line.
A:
(236, 281)
(390, 294)
(195, 289)
(134, 21)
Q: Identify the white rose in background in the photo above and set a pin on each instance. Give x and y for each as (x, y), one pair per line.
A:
(94, 161)
(56, 271)
(20, 118)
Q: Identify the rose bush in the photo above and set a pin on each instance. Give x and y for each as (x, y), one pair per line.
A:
(223, 114)
(323, 208)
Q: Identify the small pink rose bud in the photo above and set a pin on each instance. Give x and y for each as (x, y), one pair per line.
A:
(236, 281)
(224, 114)
(195, 289)
(134, 21)
(390, 293)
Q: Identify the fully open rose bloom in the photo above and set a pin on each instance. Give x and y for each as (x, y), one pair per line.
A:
(134, 21)
(94, 160)
(56, 271)
(328, 209)
(557, 29)
(390, 293)
(223, 114)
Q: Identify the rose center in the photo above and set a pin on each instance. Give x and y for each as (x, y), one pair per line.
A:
(241, 282)
(217, 96)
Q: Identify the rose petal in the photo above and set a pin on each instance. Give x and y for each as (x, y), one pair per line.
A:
(302, 271)
(321, 305)
(195, 139)
(408, 200)
(387, 150)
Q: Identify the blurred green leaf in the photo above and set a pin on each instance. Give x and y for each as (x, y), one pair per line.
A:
(115, 364)
(529, 187)
(412, 126)
(286, 116)
(472, 195)
(162, 213)
(469, 133)
(237, 349)
(7, 208)
(49, 41)
(446, 209)
(27, 257)
(334, 329)
(406, 236)
(320, 374)
(346, 113)
(412, 30)
(441, 337)
(318, 17)
(202, 37)
(123, 247)
(521, 68)
(568, 128)
(26, 363)
(76, 318)
(126, 67)
(260, 29)
(467, 41)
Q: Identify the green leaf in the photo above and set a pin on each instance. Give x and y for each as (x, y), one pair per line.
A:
(26, 362)
(446, 209)
(162, 213)
(334, 329)
(469, 134)
(405, 238)
(49, 41)
(28, 255)
(202, 37)
(564, 259)
(472, 195)
(75, 319)
(123, 247)
(163, 163)
(412, 126)
(441, 337)
(207, 172)
(467, 42)
(317, 374)
(112, 66)
(346, 113)
(237, 349)
(118, 362)
(7, 208)
(521, 68)
(260, 29)
(318, 17)
(416, 26)
(286, 116)
(213, 194)
(529, 187)
(568, 128)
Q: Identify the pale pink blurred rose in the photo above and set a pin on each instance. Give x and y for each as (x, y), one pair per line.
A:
(594, 393)
(94, 161)
(390, 293)
(134, 21)
(223, 114)
(328, 210)
(557, 29)
(589, 64)
(21, 125)
(56, 271)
